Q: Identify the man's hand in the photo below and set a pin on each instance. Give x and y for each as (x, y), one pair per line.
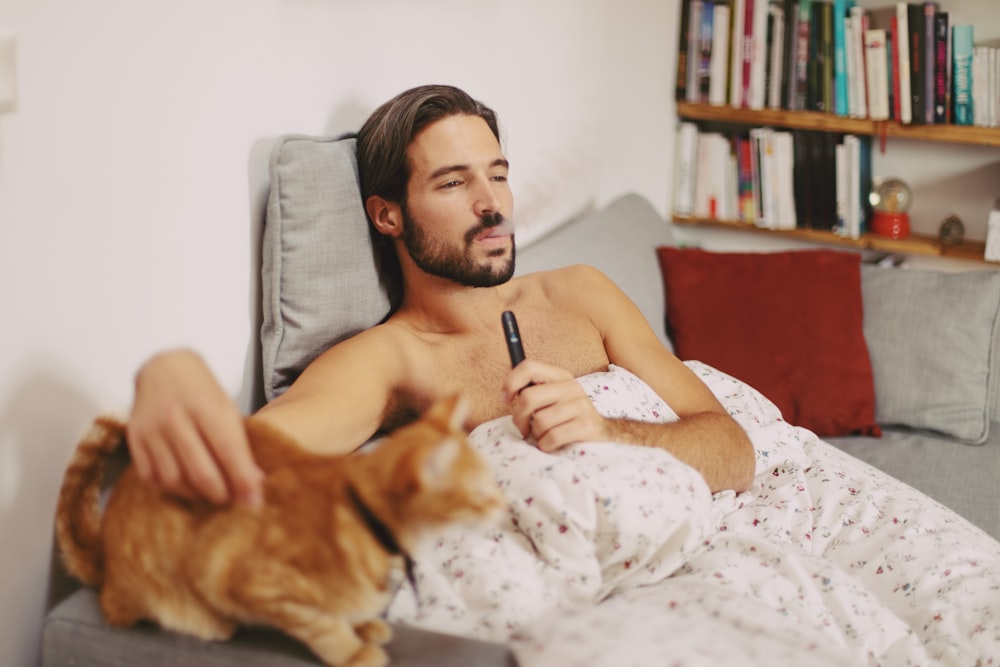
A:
(186, 436)
(548, 404)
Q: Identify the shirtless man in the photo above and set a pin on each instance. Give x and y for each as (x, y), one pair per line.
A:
(434, 181)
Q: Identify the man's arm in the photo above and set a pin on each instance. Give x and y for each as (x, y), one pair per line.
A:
(557, 412)
(187, 437)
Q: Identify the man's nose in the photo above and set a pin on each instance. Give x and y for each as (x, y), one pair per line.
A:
(487, 200)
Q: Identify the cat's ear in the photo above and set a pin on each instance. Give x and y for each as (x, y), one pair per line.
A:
(438, 464)
(452, 410)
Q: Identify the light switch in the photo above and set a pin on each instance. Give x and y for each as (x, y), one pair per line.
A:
(8, 72)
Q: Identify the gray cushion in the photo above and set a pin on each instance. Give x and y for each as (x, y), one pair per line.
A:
(318, 276)
(620, 240)
(76, 635)
(963, 478)
(932, 340)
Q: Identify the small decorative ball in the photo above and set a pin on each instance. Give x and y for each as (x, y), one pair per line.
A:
(891, 195)
(952, 230)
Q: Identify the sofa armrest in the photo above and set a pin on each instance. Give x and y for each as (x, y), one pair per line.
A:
(76, 634)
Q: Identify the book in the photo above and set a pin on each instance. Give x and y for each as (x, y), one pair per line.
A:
(691, 91)
(930, 9)
(685, 168)
(784, 157)
(858, 88)
(841, 189)
(840, 12)
(876, 62)
(980, 86)
(680, 84)
(775, 56)
(737, 14)
(791, 36)
(746, 208)
(719, 60)
(940, 67)
(915, 26)
(961, 59)
(747, 53)
(885, 18)
(827, 57)
(803, 42)
(903, 70)
(705, 34)
(754, 84)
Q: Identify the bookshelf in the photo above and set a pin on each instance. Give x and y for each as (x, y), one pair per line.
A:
(783, 59)
(827, 122)
(915, 244)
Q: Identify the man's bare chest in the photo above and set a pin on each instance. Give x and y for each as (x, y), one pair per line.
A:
(476, 366)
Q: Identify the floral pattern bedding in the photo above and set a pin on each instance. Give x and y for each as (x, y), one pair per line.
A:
(618, 555)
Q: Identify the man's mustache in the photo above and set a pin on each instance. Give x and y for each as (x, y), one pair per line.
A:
(487, 221)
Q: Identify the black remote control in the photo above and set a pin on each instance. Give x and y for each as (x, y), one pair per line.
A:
(513, 337)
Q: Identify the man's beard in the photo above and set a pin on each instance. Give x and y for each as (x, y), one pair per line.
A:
(438, 259)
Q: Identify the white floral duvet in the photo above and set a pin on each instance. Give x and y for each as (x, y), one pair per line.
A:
(618, 555)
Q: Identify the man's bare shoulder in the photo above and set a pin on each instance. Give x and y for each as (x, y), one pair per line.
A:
(570, 278)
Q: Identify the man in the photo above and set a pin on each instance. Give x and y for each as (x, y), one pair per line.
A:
(434, 181)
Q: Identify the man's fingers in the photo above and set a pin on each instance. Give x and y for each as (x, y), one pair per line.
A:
(232, 452)
(198, 466)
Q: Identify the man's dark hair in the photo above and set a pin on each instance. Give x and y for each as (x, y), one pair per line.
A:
(388, 132)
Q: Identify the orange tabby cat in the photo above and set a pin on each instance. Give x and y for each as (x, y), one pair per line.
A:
(314, 561)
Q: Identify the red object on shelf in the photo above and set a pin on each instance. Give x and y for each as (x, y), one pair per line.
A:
(891, 225)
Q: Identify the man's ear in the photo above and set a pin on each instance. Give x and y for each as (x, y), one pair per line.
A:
(387, 216)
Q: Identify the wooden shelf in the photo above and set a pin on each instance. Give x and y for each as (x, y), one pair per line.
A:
(916, 244)
(826, 122)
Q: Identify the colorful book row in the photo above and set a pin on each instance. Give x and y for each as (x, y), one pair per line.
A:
(907, 61)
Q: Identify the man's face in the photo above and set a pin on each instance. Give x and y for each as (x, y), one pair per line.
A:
(458, 199)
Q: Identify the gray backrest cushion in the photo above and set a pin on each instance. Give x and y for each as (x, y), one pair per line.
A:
(319, 279)
(933, 342)
(620, 240)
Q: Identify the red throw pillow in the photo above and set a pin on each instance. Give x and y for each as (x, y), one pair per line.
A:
(788, 324)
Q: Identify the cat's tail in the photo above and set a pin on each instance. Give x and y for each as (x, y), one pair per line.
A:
(78, 512)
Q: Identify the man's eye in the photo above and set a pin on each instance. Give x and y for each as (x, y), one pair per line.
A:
(450, 184)
(500, 178)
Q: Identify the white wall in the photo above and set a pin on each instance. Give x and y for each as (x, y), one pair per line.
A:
(130, 181)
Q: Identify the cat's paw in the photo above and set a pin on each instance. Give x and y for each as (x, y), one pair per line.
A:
(375, 631)
(369, 656)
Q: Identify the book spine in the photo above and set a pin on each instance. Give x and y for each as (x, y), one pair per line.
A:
(736, 54)
(859, 85)
(685, 169)
(691, 93)
(903, 73)
(720, 55)
(748, 46)
(791, 36)
(744, 171)
(962, 74)
(776, 56)
(803, 40)
(680, 84)
(840, 9)
(930, 8)
(758, 65)
(878, 81)
(828, 57)
(915, 18)
(894, 71)
(940, 67)
(705, 51)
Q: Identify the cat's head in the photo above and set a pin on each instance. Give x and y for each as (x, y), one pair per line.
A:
(429, 477)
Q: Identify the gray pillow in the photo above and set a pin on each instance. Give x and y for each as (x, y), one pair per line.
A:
(319, 278)
(932, 338)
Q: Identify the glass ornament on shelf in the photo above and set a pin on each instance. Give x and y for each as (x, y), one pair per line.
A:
(891, 199)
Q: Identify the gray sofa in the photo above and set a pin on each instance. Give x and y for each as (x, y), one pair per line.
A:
(621, 240)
